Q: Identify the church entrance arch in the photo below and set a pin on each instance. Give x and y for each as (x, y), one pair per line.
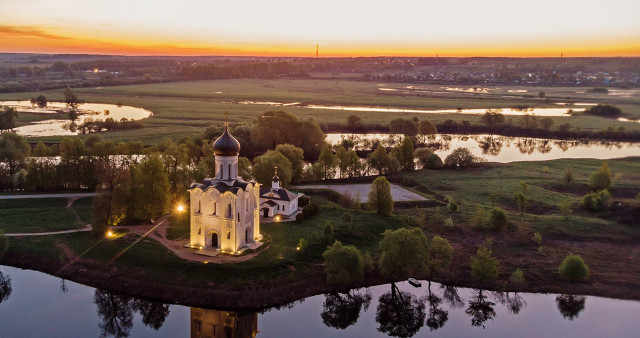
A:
(213, 240)
(248, 238)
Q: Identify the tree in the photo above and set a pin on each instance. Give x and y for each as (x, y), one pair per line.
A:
(403, 126)
(437, 316)
(110, 205)
(279, 127)
(541, 95)
(521, 197)
(568, 174)
(115, 312)
(404, 153)
(493, 117)
(153, 313)
(71, 99)
(354, 121)
(5, 287)
(601, 178)
(41, 101)
(244, 168)
(380, 198)
(380, 160)
(440, 255)
(422, 154)
(342, 310)
(546, 122)
(295, 155)
(327, 162)
(404, 252)
(400, 314)
(14, 149)
(343, 264)
(426, 128)
(327, 231)
(484, 266)
(8, 118)
(263, 168)
(342, 160)
(459, 158)
(573, 268)
(498, 219)
(433, 161)
(151, 189)
(570, 306)
(480, 309)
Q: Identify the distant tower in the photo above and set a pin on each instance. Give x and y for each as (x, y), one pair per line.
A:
(316, 50)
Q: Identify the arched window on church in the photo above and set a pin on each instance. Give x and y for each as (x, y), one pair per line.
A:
(238, 218)
(199, 205)
(229, 211)
(214, 208)
(228, 234)
(220, 172)
(229, 171)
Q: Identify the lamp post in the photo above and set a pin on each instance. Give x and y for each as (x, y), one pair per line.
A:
(180, 209)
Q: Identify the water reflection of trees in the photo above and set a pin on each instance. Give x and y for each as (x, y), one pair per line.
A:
(570, 306)
(512, 300)
(116, 312)
(491, 145)
(451, 296)
(400, 313)
(5, 287)
(341, 310)
(480, 309)
(437, 315)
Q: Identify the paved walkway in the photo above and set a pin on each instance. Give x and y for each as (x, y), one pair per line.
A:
(159, 234)
(86, 228)
(65, 195)
(398, 193)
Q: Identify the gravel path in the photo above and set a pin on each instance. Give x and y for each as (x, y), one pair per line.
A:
(397, 192)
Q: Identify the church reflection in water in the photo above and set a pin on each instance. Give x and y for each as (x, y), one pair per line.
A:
(214, 323)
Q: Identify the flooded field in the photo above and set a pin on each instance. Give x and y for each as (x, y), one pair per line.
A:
(56, 127)
(503, 148)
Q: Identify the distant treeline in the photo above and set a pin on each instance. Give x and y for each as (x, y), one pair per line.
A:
(263, 70)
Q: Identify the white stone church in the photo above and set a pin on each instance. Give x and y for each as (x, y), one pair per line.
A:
(225, 210)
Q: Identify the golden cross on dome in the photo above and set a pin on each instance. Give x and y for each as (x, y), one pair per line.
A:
(275, 168)
(226, 118)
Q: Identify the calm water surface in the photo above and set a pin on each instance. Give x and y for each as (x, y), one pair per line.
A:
(504, 148)
(55, 127)
(41, 305)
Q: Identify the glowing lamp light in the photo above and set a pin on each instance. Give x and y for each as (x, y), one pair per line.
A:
(180, 208)
(95, 70)
(298, 248)
(109, 234)
(277, 218)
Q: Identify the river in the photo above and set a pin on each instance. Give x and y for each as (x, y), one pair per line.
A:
(41, 305)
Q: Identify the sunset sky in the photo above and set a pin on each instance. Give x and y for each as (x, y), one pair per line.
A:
(341, 28)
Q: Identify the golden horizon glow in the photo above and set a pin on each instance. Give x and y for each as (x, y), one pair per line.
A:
(289, 28)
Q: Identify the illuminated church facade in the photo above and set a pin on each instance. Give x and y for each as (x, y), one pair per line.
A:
(224, 210)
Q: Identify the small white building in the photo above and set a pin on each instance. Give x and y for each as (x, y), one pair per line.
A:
(277, 200)
(224, 212)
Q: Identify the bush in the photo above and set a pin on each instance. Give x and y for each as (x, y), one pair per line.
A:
(537, 238)
(421, 154)
(299, 217)
(479, 219)
(343, 264)
(517, 278)
(604, 110)
(573, 268)
(568, 174)
(433, 161)
(601, 178)
(460, 158)
(452, 206)
(597, 201)
(483, 265)
(497, 219)
(303, 201)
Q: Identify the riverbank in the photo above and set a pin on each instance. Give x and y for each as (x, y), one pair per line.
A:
(607, 241)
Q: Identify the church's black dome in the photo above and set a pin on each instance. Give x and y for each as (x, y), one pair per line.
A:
(226, 145)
